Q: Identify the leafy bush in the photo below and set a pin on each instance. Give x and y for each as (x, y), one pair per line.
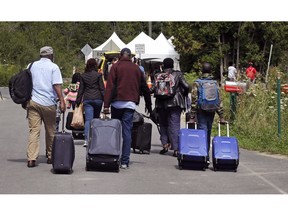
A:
(6, 71)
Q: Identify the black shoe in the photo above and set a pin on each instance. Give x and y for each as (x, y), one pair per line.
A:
(31, 163)
(49, 161)
(175, 154)
(164, 151)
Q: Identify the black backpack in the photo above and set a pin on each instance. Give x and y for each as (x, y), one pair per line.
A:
(20, 86)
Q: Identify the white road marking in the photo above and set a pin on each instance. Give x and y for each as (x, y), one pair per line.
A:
(264, 179)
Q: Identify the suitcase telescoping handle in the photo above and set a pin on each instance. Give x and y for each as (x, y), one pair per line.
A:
(195, 125)
(63, 118)
(219, 125)
(105, 116)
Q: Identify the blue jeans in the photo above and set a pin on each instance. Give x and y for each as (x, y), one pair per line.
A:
(92, 110)
(126, 118)
(169, 121)
(205, 121)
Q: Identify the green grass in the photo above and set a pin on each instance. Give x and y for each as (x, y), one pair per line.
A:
(256, 122)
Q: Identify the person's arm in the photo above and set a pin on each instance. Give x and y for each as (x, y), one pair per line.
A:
(80, 91)
(110, 89)
(184, 85)
(194, 99)
(146, 93)
(101, 85)
(58, 90)
(220, 110)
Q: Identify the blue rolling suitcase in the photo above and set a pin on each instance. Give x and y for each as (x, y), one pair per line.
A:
(225, 151)
(193, 149)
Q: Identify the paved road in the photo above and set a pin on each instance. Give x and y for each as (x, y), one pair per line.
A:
(148, 174)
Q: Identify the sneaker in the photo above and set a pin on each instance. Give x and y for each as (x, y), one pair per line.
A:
(85, 144)
(124, 166)
(207, 164)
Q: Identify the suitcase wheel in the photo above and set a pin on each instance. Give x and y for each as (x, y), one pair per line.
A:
(179, 165)
(77, 135)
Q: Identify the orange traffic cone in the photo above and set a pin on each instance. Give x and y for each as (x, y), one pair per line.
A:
(149, 83)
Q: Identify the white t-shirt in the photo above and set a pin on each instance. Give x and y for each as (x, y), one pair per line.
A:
(45, 74)
(232, 72)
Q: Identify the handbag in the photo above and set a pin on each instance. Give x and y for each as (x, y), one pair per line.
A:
(78, 120)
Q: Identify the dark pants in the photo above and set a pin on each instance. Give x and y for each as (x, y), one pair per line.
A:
(126, 118)
(92, 110)
(169, 120)
(205, 121)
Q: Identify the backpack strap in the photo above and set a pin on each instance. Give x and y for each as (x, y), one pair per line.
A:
(30, 65)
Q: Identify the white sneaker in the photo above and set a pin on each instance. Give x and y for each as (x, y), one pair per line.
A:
(124, 166)
(85, 144)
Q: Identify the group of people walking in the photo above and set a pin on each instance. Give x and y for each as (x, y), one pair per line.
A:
(125, 84)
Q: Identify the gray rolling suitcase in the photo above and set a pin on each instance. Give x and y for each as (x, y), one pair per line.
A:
(104, 145)
(63, 151)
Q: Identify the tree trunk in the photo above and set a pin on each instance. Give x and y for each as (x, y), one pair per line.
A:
(221, 60)
(225, 55)
(238, 48)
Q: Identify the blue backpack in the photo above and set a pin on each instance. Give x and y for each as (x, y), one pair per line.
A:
(208, 95)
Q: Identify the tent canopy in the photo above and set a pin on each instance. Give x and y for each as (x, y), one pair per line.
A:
(113, 43)
(155, 50)
(142, 38)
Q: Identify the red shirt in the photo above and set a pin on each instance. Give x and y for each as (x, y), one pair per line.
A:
(251, 72)
(125, 83)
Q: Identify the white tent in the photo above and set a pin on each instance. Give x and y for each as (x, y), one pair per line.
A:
(164, 49)
(155, 50)
(142, 38)
(113, 43)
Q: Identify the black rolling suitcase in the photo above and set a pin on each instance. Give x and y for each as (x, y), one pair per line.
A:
(141, 138)
(63, 151)
(104, 145)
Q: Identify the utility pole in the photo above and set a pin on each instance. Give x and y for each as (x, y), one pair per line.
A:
(266, 79)
(279, 104)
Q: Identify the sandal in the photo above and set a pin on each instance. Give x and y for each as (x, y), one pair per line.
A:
(165, 149)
